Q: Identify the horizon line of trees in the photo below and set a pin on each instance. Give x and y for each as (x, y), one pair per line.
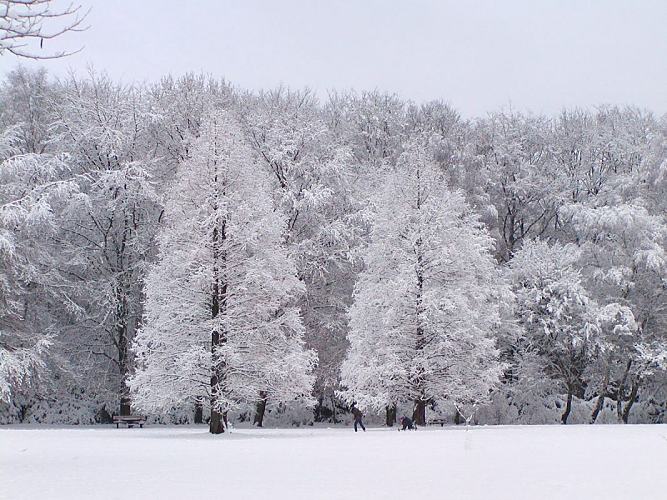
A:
(197, 251)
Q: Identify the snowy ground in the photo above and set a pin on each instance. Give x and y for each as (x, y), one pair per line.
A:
(489, 463)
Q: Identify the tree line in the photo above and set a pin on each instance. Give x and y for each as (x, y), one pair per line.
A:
(196, 251)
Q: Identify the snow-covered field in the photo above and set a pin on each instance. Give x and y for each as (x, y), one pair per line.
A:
(486, 463)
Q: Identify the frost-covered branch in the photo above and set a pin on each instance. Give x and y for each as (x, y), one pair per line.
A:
(26, 23)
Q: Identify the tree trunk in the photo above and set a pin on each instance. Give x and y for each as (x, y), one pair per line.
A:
(125, 408)
(122, 291)
(620, 396)
(216, 425)
(260, 410)
(601, 397)
(218, 306)
(122, 346)
(457, 417)
(419, 412)
(568, 406)
(598, 407)
(199, 413)
(631, 400)
(391, 415)
(317, 411)
(333, 408)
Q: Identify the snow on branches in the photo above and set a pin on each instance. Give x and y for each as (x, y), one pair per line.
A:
(221, 328)
(426, 304)
(23, 23)
(33, 191)
(225, 250)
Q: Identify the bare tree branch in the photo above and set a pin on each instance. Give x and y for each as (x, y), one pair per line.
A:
(23, 22)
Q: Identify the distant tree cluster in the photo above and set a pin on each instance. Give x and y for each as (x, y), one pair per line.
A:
(199, 252)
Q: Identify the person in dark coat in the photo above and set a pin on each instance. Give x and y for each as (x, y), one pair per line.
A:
(356, 412)
(406, 423)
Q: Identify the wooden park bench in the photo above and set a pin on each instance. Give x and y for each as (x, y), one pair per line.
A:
(129, 420)
(436, 421)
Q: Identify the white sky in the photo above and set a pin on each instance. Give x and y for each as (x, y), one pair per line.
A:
(538, 55)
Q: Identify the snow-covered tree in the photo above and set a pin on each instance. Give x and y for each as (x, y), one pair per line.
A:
(178, 107)
(26, 107)
(617, 339)
(109, 234)
(522, 179)
(556, 313)
(311, 175)
(376, 126)
(87, 166)
(221, 327)
(33, 190)
(427, 302)
(621, 230)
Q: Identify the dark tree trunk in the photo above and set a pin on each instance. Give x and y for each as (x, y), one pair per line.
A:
(333, 409)
(317, 411)
(631, 400)
(419, 413)
(620, 396)
(598, 407)
(457, 417)
(218, 306)
(510, 228)
(260, 410)
(601, 397)
(125, 401)
(122, 317)
(125, 408)
(568, 406)
(199, 413)
(122, 346)
(216, 425)
(391, 415)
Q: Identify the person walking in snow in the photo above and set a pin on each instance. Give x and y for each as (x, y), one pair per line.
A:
(357, 417)
(406, 423)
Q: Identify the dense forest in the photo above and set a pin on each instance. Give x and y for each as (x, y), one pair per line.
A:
(197, 252)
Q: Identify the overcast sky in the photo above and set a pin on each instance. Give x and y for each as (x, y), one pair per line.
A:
(538, 55)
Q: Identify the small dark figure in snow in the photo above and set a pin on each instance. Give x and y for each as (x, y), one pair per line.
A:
(406, 424)
(357, 417)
